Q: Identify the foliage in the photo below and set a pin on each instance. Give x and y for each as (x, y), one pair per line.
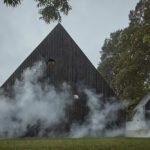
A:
(128, 69)
(50, 10)
(107, 57)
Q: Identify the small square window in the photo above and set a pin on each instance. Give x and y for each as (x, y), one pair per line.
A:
(51, 63)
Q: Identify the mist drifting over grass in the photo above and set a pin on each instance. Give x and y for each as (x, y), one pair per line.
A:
(35, 102)
(139, 126)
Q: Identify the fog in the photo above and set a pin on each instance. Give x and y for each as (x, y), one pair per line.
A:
(40, 106)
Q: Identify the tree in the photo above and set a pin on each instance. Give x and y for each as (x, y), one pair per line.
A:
(108, 54)
(138, 53)
(130, 62)
(50, 10)
(140, 16)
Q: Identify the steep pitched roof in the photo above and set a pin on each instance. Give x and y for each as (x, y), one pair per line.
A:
(72, 63)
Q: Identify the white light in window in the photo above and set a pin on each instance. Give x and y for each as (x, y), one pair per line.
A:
(76, 96)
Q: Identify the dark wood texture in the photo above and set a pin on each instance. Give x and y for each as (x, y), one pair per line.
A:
(71, 66)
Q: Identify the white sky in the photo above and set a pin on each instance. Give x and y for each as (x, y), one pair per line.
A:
(89, 23)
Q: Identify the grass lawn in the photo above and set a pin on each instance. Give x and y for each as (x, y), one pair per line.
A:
(76, 144)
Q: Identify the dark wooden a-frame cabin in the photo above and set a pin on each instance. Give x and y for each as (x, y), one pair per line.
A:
(67, 63)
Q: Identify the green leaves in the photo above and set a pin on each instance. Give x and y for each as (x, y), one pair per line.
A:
(140, 16)
(50, 10)
(130, 59)
(12, 3)
(146, 38)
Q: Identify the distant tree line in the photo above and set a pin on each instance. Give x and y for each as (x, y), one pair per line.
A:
(125, 57)
(50, 10)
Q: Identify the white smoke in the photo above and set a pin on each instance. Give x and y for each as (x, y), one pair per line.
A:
(139, 126)
(35, 103)
(138, 121)
(32, 103)
(100, 115)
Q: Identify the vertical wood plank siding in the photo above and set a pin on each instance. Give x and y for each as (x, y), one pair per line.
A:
(72, 66)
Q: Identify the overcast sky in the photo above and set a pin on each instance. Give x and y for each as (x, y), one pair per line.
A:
(89, 23)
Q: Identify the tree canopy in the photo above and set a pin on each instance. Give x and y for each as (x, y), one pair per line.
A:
(49, 10)
(125, 59)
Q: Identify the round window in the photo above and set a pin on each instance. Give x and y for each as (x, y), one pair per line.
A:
(75, 96)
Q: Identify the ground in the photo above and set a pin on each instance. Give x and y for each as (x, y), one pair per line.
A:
(76, 144)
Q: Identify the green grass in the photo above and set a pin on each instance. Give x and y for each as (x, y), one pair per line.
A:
(76, 144)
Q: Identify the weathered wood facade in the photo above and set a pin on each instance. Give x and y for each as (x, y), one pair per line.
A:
(71, 66)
